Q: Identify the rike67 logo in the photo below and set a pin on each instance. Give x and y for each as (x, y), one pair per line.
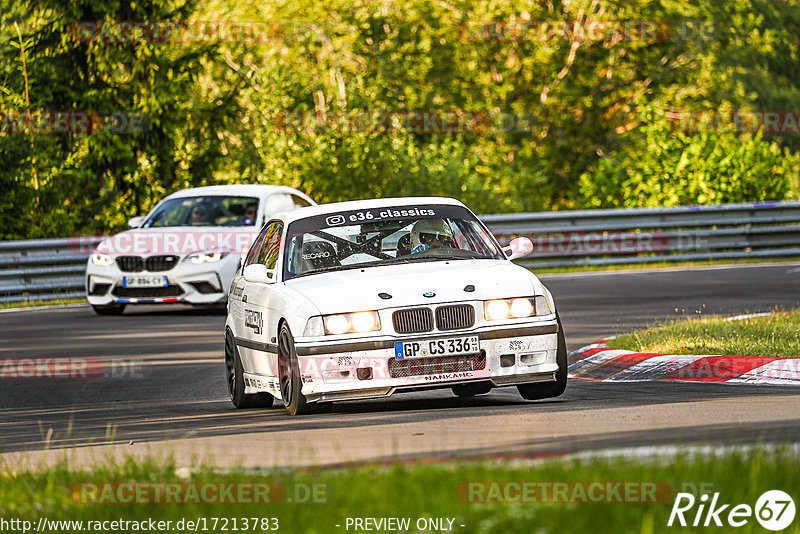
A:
(774, 510)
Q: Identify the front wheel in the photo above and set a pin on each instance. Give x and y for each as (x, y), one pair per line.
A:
(234, 374)
(289, 374)
(547, 390)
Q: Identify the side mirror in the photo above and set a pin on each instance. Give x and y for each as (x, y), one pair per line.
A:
(136, 222)
(258, 274)
(519, 247)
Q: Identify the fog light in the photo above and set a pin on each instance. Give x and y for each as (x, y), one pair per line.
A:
(364, 373)
(507, 360)
(534, 358)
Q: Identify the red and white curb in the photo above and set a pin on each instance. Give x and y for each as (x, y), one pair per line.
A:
(600, 362)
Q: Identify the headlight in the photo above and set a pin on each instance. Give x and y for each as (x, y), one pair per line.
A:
(204, 257)
(344, 323)
(337, 324)
(498, 310)
(103, 260)
(522, 308)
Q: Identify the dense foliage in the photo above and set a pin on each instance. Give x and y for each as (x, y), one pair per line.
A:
(333, 97)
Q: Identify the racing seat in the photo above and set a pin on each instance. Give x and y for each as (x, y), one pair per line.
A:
(404, 245)
(319, 255)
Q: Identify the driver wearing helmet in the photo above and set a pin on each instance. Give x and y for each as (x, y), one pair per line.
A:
(430, 233)
(201, 215)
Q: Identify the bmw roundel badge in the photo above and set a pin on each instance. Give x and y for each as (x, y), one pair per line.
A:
(429, 294)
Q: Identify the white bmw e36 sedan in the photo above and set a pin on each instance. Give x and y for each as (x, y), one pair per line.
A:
(368, 298)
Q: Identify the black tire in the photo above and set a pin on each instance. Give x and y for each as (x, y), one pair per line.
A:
(470, 390)
(322, 407)
(109, 309)
(220, 308)
(234, 377)
(548, 390)
(289, 374)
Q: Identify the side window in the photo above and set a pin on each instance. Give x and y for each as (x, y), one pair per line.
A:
(268, 254)
(255, 248)
(300, 202)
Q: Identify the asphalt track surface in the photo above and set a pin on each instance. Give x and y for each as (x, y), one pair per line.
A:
(171, 398)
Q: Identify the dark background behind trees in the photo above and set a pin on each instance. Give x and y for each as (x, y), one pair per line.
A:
(597, 126)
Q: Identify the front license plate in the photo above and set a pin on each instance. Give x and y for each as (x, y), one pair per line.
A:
(144, 281)
(436, 347)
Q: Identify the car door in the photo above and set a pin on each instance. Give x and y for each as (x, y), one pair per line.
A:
(237, 300)
(260, 353)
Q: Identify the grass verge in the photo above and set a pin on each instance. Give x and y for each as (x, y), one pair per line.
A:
(774, 335)
(318, 501)
(39, 303)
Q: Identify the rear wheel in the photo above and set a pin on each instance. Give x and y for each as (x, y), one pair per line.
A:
(289, 374)
(109, 309)
(470, 390)
(547, 390)
(234, 374)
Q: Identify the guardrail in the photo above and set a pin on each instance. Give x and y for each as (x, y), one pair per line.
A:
(649, 235)
(47, 269)
(44, 269)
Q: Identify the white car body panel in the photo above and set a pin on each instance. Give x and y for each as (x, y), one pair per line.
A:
(329, 363)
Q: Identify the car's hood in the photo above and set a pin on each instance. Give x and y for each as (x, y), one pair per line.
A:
(354, 289)
(179, 240)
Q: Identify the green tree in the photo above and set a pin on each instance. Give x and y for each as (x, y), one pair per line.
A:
(669, 167)
(96, 181)
(592, 111)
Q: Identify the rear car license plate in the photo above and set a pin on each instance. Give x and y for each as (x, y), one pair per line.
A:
(144, 281)
(436, 347)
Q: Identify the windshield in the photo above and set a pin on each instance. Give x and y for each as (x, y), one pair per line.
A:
(382, 236)
(204, 211)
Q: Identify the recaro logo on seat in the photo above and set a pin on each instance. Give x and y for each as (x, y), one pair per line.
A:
(774, 510)
(316, 255)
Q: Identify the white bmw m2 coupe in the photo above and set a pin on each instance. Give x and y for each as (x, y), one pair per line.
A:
(186, 249)
(369, 298)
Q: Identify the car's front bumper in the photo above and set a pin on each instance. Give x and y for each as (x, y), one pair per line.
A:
(188, 283)
(364, 368)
